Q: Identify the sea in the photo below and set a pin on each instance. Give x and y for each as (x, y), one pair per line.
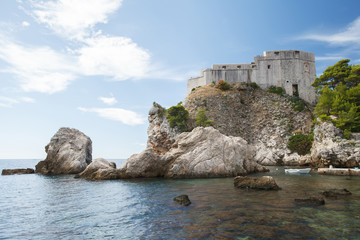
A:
(62, 207)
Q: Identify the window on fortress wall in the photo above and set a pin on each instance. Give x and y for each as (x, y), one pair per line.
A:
(223, 67)
(238, 67)
(297, 54)
(253, 66)
(276, 54)
(269, 66)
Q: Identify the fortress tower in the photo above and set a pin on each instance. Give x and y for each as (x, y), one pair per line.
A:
(290, 69)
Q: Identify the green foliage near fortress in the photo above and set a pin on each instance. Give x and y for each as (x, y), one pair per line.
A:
(201, 119)
(223, 85)
(177, 116)
(277, 90)
(339, 89)
(300, 143)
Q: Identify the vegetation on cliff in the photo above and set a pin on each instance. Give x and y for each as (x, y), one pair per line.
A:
(177, 116)
(339, 100)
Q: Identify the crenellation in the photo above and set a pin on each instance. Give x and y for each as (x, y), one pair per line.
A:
(292, 70)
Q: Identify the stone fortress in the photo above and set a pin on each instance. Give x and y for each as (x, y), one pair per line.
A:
(292, 70)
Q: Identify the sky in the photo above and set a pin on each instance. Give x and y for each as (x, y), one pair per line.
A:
(98, 65)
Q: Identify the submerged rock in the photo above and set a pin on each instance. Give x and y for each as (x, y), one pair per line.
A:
(69, 152)
(314, 200)
(334, 193)
(100, 169)
(17, 171)
(263, 183)
(183, 200)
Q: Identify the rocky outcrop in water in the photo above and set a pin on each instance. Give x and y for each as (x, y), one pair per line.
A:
(201, 153)
(334, 193)
(100, 169)
(330, 148)
(183, 200)
(69, 152)
(313, 200)
(263, 183)
(17, 171)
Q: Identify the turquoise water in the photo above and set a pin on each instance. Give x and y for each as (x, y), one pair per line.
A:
(42, 207)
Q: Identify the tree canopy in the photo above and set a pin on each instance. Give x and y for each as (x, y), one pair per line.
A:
(339, 91)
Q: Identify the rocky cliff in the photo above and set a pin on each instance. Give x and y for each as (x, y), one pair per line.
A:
(266, 120)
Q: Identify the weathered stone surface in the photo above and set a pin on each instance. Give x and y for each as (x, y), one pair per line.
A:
(69, 152)
(263, 183)
(160, 135)
(334, 193)
(100, 169)
(339, 171)
(203, 152)
(183, 200)
(330, 148)
(17, 171)
(314, 200)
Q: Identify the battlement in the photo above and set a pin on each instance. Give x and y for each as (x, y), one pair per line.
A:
(292, 70)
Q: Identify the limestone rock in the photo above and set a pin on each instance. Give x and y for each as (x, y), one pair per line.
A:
(160, 135)
(100, 169)
(69, 152)
(330, 148)
(183, 200)
(263, 183)
(203, 152)
(17, 171)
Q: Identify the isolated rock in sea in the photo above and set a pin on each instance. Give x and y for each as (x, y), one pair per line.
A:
(334, 193)
(263, 183)
(17, 171)
(100, 169)
(203, 152)
(183, 200)
(314, 200)
(69, 152)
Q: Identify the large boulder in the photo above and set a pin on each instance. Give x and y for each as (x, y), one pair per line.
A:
(69, 152)
(330, 148)
(203, 152)
(100, 169)
(262, 183)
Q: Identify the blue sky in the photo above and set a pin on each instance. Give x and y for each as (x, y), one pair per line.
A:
(98, 65)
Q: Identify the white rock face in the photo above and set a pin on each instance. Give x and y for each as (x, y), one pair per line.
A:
(69, 152)
(100, 169)
(329, 148)
(160, 135)
(203, 152)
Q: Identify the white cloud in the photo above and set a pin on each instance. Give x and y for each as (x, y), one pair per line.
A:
(74, 19)
(108, 100)
(117, 57)
(38, 69)
(117, 114)
(25, 24)
(350, 35)
(7, 102)
(27, 99)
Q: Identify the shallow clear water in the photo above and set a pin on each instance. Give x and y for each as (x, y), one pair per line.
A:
(42, 207)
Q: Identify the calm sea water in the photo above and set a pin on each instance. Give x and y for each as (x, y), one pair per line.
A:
(42, 207)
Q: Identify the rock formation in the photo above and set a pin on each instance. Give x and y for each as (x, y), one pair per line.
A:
(183, 200)
(330, 148)
(203, 152)
(69, 152)
(17, 171)
(313, 200)
(263, 183)
(100, 169)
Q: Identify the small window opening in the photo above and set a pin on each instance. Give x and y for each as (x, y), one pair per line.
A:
(238, 67)
(269, 66)
(276, 53)
(223, 67)
(253, 66)
(295, 90)
(297, 53)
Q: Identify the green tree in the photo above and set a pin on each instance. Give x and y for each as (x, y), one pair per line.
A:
(201, 119)
(324, 105)
(334, 75)
(177, 116)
